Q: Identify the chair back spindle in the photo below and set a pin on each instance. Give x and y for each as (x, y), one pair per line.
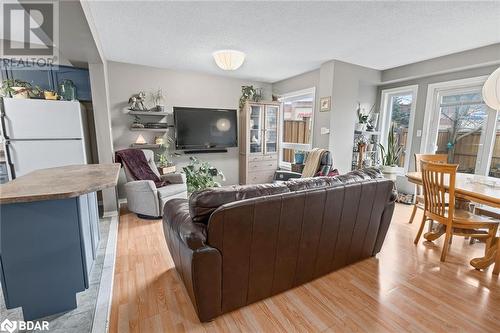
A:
(438, 179)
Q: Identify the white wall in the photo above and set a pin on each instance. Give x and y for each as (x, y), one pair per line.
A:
(347, 84)
(181, 88)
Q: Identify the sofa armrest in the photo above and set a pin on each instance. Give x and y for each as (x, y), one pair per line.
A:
(199, 265)
(283, 175)
(174, 178)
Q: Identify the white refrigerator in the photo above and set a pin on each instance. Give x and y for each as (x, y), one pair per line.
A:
(40, 134)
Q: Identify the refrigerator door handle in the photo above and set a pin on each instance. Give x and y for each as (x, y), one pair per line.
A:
(8, 158)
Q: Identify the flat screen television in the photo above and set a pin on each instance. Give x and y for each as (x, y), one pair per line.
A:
(205, 129)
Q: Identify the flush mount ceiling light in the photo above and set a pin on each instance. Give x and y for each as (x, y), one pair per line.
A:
(229, 60)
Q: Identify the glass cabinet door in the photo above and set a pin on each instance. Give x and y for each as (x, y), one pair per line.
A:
(271, 129)
(255, 128)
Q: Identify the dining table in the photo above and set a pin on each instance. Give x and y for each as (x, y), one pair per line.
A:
(476, 189)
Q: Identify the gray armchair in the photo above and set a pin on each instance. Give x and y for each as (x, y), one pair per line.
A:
(144, 199)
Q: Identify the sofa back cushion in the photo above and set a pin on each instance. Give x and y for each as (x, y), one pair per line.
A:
(203, 203)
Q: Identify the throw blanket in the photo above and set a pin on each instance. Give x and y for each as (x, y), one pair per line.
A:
(138, 166)
(312, 162)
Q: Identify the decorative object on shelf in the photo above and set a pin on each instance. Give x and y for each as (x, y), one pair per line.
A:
(201, 175)
(159, 140)
(67, 90)
(390, 155)
(164, 164)
(300, 156)
(372, 120)
(136, 102)
(370, 146)
(257, 96)
(140, 140)
(325, 103)
(367, 162)
(50, 95)
(247, 93)
(361, 141)
(229, 60)
(20, 89)
(158, 100)
(275, 98)
(137, 123)
(362, 119)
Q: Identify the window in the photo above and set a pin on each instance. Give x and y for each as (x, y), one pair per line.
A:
(296, 124)
(459, 124)
(461, 128)
(398, 109)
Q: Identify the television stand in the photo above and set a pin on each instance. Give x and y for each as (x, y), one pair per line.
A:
(205, 151)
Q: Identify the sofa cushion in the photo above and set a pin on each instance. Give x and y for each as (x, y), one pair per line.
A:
(203, 203)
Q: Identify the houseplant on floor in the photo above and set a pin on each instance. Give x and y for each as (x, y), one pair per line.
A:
(201, 175)
(390, 155)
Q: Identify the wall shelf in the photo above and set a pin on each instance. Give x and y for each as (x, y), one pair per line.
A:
(145, 146)
(367, 132)
(149, 113)
(149, 129)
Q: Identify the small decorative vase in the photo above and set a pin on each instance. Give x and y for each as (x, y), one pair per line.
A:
(67, 90)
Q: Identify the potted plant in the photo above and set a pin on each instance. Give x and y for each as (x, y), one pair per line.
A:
(247, 93)
(362, 119)
(163, 163)
(300, 156)
(390, 155)
(201, 175)
(19, 89)
(158, 100)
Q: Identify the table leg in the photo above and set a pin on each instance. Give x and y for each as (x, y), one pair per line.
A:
(491, 256)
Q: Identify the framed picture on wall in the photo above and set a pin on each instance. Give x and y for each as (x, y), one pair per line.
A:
(325, 104)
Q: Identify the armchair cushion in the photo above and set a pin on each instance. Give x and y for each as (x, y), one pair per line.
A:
(203, 203)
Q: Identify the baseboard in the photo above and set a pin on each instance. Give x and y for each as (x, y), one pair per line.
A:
(104, 297)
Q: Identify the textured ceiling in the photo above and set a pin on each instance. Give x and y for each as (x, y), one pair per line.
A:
(283, 39)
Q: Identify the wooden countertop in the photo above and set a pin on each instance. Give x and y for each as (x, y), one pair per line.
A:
(59, 183)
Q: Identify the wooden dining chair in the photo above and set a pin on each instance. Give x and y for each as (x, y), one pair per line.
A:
(419, 197)
(435, 178)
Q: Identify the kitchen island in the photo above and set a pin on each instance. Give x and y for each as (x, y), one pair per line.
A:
(49, 236)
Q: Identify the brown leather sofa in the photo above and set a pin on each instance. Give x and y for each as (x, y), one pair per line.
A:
(235, 245)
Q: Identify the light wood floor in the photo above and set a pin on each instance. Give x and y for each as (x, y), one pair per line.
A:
(404, 289)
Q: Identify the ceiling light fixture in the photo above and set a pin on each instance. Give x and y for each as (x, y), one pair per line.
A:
(229, 60)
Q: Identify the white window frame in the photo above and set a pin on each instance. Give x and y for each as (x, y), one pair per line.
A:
(385, 121)
(295, 146)
(432, 116)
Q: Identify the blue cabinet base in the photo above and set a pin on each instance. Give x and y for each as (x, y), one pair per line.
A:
(43, 255)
